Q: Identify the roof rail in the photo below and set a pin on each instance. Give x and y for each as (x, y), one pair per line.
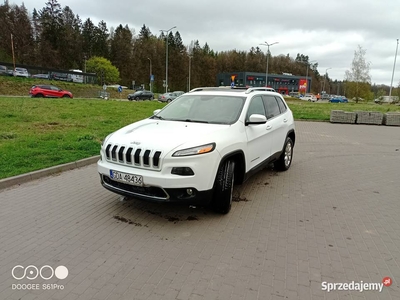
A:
(260, 88)
(217, 88)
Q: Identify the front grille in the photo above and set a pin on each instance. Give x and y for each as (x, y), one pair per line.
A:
(139, 157)
(153, 192)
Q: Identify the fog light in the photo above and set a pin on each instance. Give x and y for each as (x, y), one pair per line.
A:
(189, 192)
(183, 171)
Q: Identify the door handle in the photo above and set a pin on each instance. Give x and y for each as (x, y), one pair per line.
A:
(269, 127)
(285, 120)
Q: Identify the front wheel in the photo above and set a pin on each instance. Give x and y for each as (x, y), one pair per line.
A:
(136, 98)
(285, 160)
(223, 187)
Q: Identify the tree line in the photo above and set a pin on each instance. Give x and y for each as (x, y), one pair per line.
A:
(56, 37)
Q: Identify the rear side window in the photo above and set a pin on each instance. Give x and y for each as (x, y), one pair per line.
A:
(281, 104)
(271, 106)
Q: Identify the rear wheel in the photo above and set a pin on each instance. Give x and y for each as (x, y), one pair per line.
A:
(285, 160)
(223, 187)
(169, 100)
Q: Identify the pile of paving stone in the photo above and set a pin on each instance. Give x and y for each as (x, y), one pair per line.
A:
(340, 116)
(369, 117)
(392, 119)
(365, 117)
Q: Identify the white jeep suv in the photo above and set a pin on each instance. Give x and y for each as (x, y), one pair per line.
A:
(196, 148)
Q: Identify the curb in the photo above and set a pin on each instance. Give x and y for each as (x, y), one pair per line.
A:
(23, 178)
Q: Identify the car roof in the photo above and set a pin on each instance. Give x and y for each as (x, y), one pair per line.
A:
(241, 90)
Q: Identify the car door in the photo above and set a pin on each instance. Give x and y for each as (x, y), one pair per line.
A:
(276, 122)
(55, 91)
(259, 139)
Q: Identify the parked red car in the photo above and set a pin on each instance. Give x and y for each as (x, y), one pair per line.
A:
(49, 91)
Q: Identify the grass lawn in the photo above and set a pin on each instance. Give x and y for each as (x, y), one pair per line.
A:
(37, 133)
(303, 110)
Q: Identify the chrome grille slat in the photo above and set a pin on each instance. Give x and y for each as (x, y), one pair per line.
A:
(139, 157)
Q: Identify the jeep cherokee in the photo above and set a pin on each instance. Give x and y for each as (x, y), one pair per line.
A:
(197, 147)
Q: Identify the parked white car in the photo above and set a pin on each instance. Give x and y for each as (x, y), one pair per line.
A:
(196, 148)
(386, 99)
(309, 97)
(21, 72)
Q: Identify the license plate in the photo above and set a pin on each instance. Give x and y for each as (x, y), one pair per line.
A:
(127, 178)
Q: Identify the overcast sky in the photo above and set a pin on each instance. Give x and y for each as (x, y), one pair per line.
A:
(327, 31)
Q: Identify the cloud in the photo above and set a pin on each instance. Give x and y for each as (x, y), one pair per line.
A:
(326, 31)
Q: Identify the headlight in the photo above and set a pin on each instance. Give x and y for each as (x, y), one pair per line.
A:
(195, 150)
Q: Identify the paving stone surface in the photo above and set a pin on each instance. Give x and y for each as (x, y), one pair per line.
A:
(334, 217)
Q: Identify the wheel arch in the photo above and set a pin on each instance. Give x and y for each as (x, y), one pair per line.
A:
(292, 136)
(240, 164)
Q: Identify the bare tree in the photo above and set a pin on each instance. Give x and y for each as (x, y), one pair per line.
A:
(358, 83)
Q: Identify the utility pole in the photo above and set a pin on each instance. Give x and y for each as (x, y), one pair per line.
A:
(394, 66)
(266, 73)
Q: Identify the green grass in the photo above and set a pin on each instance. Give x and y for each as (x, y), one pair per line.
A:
(303, 110)
(17, 86)
(37, 133)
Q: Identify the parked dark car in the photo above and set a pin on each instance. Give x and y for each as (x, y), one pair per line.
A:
(3, 70)
(49, 91)
(41, 76)
(61, 76)
(141, 95)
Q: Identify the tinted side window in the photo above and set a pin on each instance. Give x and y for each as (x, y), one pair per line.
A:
(271, 106)
(256, 107)
(281, 104)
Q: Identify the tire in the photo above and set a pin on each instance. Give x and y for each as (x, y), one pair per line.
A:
(223, 187)
(66, 96)
(136, 98)
(285, 160)
(39, 96)
(169, 100)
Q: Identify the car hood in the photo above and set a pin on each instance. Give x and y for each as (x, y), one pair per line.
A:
(166, 135)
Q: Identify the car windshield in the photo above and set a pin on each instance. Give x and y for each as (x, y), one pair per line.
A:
(214, 109)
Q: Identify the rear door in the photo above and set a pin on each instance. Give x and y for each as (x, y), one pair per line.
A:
(277, 120)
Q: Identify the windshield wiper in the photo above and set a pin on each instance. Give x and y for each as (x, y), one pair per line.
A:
(194, 121)
(157, 117)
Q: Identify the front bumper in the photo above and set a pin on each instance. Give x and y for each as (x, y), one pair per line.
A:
(163, 185)
(157, 194)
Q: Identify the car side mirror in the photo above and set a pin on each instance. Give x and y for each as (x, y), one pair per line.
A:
(156, 111)
(256, 119)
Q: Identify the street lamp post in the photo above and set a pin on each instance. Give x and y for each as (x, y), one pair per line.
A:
(151, 89)
(84, 70)
(308, 64)
(325, 78)
(394, 66)
(190, 64)
(266, 73)
(166, 56)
